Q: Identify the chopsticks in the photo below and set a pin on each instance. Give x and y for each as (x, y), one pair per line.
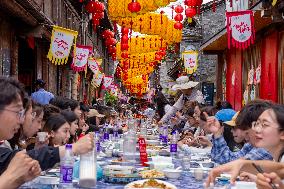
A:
(259, 169)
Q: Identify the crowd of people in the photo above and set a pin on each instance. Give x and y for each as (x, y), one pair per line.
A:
(237, 139)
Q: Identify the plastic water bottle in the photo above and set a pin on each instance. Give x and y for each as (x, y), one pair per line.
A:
(106, 134)
(143, 129)
(173, 145)
(66, 167)
(115, 132)
(97, 142)
(165, 136)
(129, 146)
(88, 170)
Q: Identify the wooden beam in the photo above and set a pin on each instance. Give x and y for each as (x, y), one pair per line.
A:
(18, 11)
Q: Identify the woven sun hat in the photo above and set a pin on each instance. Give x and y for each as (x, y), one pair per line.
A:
(94, 113)
(232, 123)
(183, 83)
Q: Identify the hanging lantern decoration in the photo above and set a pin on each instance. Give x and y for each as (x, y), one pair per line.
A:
(110, 42)
(134, 6)
(178, 17)
(118, 72)
(179, 9)
(190, 13)
(124, 42)
(178, 26)
(95, 8)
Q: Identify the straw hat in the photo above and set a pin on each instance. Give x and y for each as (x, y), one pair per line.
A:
(94, 113)
(184, 83)
(232, 123)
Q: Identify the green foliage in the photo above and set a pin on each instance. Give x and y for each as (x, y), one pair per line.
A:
(110, 99)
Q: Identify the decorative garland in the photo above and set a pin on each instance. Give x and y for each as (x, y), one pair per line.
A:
(153, 24)
(119, 8)
(143, 44)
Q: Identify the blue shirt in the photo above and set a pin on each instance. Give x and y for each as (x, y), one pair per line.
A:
(220, 152)
(42, 96)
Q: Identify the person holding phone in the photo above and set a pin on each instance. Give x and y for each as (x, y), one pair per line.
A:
(220, 152)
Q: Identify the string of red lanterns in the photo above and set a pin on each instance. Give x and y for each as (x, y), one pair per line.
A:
(95, 8)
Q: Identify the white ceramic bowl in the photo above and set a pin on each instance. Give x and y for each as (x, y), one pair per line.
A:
(245, 185)
(172, 173)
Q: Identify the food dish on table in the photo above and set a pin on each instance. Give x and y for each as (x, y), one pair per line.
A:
(151, 174)
(150, 183)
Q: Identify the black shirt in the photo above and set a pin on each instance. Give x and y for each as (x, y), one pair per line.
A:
(47, 157)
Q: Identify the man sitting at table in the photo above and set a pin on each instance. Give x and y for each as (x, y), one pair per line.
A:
(21, 168)
(221, 153)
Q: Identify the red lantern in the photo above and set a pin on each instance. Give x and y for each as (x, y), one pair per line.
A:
(107, 34)
(124, 31)
(124, 39)
(191, 3)
(98, 15)
(110, 42)
(163, 53)
(178, 26)
(118, 71)
(124, 55)
(111, 49)
(99, 7)
(91, 6)
(124, 47)
(134, 6)
(178, 17)
(179, 9)
(190, 12)
(158, 57)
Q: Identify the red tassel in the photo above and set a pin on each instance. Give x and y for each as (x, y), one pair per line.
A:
(150, 22)
(172, 12)
(214, 6)
(231, 3)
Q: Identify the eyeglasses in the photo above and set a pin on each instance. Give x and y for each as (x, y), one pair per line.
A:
(259, 126)
(20, 114)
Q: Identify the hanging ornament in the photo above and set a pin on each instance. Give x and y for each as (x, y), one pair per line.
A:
(190, 12)
(134, 6)
(214, 6)
(178, 26)
(90, 7)
(178, 9)
(110, 42)
(178, 17)
(240, 29)
(107, 34)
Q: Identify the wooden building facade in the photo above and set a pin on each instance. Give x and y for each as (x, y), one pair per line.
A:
(25, 31)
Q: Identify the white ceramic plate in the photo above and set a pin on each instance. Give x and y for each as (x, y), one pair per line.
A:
(131, 185)
(244, 185)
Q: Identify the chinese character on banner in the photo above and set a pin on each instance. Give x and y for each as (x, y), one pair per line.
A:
(80, 58)
(240, 29)
(61, 43)
(97, 80)
(257, 74)
(93, 65)
(107, 82)
(190, 59)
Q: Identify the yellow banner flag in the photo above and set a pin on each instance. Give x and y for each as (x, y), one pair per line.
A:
(62, 40)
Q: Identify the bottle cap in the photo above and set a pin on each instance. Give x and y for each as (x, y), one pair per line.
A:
(68, 146)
